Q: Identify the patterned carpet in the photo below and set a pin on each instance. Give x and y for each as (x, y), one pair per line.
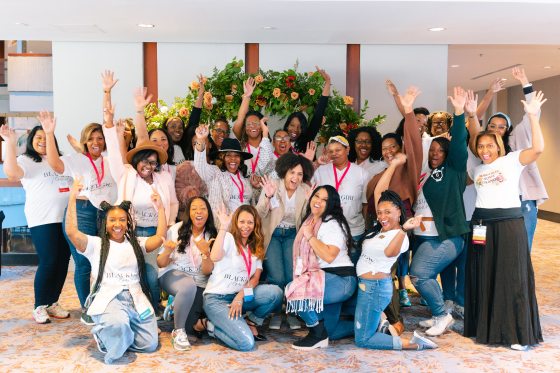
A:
(67, 345)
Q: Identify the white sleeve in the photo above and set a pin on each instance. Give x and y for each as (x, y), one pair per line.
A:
(93, 248)
(229, 245)
(265, 156)
(22, 163)
(206, 171)
(142, 243)
(258, 264)
(69, 161)
(116, 165)
(215, 190)
(405, 244)
(365, 178)
(330, 233)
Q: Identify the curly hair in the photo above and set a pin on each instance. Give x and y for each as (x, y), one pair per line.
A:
(185, 232)
(256, 239)
(375, 136)
(448, 119)
(243, 140)
(290, 161)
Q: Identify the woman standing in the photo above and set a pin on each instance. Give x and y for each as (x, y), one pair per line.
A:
(500, 301)
(46, 198)
(233, 287)
(324, 276)
(365, 150)
(185, 265)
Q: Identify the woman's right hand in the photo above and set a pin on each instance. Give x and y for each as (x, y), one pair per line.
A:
(202, 132)
(248, 87)
(268, 186)
(108, 80)
(407, 101)
(398, 159)
(77, 186)
(48, 122)
(8, 134)
(224, 218)
(141, 99)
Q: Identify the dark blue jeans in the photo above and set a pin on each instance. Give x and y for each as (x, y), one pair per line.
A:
(529, 209)
(54, 255)
(453, 277)
(151, 267)
(278, 262)
(89, 218)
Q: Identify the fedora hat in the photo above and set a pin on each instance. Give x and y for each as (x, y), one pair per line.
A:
(232, 145)
(147, 145)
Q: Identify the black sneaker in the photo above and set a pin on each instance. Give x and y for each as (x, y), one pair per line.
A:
(317, 338)
(86, 319)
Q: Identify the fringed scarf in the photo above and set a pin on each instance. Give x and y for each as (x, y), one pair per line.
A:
(306, 291)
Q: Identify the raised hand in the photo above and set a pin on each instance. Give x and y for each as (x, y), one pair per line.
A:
(497, 85)
(255, 181)
(264, 127)
(223, 218)
(399, 159)
(310, 191)
(325, 158)
(201, 81)
(471, 103)
(156, 198)
(391, 88)
(458, 99)
(108, 115)
(533, 107)
(108, 80)
(412, 223)
(204, 246)
(519, 74)
(202, 132)
(75, 144)
(407, 101)
(324, 74)
(47, 120)
(141, 98)
(77, 185)
(249, 87)
(310, 151)
(8, 134)
(268, 186)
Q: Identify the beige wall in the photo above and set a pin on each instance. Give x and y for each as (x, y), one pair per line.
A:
(550, 120)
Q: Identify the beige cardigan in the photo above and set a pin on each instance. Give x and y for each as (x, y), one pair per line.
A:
(271, 218)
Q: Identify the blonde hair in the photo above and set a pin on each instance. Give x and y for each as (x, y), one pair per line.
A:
(497, 139)
(86, 133)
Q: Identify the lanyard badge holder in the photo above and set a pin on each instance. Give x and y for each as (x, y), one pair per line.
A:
(479, 234)
(248, 295)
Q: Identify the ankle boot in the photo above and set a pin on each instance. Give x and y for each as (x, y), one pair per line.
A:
(316, 338)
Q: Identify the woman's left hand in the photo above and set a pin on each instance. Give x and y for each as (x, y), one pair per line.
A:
(236, 306)
(412, 223)
(308, 230)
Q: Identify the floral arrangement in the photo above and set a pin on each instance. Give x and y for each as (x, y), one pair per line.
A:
(277, 93)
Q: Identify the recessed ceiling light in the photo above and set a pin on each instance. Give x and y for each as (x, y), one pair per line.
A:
(269, 28)
(436, 29)
(146, 25)
(21, 24)
(548, 67)
(454, 66)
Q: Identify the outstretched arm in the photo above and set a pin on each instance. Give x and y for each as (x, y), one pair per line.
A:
(48, 122)
(13, 171)
(141, 99)
(108, 82)
(496, 86)
(78, 239)
(385, 180)
(537, 144)
(248, 88)
(473, 126)
(395, 93)
(457, 157)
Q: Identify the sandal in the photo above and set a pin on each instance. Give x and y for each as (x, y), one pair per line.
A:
(255, 329)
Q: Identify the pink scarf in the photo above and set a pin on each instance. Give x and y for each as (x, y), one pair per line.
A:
(305, 292)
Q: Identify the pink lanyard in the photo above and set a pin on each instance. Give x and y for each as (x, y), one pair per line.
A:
(99, 178)
(254, 164)
(336, 181)
(247, 260)
(239, 186)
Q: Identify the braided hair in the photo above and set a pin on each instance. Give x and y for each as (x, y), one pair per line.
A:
(130, 236)
(393, 198)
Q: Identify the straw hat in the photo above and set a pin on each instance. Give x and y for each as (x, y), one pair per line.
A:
(148, 145)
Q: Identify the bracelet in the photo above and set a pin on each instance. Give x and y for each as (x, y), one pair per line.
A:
(104, 91)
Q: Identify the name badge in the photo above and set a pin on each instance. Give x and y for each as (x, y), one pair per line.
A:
(63, 185)
(479, 235)
(248, 295)
(299, 266)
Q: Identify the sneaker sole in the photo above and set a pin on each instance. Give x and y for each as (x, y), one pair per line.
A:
(180, 348)
(86, 323)
(59, 317)
(42, 323)
(295, 327)
(322, 344)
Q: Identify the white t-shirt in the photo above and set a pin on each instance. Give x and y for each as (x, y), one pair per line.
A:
(352, 192)
(421, 207)
(330, 233)
(46, 192)
(497, 183)
(230, 273)
(373, 168)
(262, 155)
(79, 165)
(183, 261)
(289, 219)
(426, 143)
(145, 213)
(373, 258)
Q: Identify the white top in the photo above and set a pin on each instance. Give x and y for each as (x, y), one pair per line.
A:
(373, 168)
(178, 156)
(230, 273)
(170, 169)
(421, 207)
(183, 261)
(497, 183)
(46, 192)
(426, 143)
(145, 214)
(78, 164)
(262, 164)
(352, 192)
(289, 219)
(330, 233)
(469, 195)
(373, 258)
(120, 273)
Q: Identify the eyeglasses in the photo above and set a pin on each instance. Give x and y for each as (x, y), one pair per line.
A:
(252, 124)
(494, 127)
(363, 142)
(154, 164)
(281, 138)
(439, 124)
(220, 131)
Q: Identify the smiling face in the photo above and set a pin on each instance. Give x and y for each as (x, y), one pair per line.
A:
(232, 160)
(95, 144)
(338, 153)
(40, 142)
(146, 167)
(487, 149)
(159, 138)
(294, 128)
(198, 214)
(439, 124)
(362, 146)
(116, 224)
(253, 127)
(498, 126)
(388, 215)
(293, 178)
(245, 224)
(318, 202)
(220, 132)
(436, 155)
(175, 129)
(389, 147)
(281, 142)
(422, 122)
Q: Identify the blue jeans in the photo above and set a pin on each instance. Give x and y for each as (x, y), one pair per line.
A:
(373, 297)
(430, 258)
(151, 267)
(235, 333)
(403, 264)
(278, 262)
(530, 210)
(54, 255)
(453, 277)
(89, 218)
(120, 328)
(337, 290)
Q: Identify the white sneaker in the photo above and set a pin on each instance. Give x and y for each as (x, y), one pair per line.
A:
(40, 315)
(441, 325)
(180, 340)
(293, 322)
(428, 323)
(518, 347)
(423, 343)
(56, 311)
(275, 322)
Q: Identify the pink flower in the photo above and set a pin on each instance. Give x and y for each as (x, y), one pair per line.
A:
(259, 79)
(276, 92)
(311, 91)
(294, 95)
(183, 112)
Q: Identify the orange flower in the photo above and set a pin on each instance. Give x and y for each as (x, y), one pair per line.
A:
(322, 140)
(343, 126)
(183, 112)
(204, 80)
(276, 92)
(229, 98)
(259, 79)
(207, 97)
(311, 91)
(234, 88)
(261, 101)
(294, 95)
(348, 100)
(195, 85)
(208, 105)
(310, 73)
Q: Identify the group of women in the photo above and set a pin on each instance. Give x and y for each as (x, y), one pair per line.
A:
(236, 227)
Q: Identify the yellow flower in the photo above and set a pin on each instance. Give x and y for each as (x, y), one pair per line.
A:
(276, 92)
(183, 112)
(294, 95)
(311, 91)
(195, 85)
(348, 100)
(259, 79)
